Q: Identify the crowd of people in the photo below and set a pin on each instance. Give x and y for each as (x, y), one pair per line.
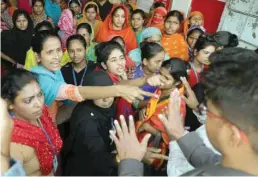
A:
(101, 88)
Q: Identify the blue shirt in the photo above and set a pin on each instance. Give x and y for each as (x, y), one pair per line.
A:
(16, 169)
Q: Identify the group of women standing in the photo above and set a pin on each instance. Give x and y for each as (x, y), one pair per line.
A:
(88, 54)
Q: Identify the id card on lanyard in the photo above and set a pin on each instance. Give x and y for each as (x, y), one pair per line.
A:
(55, 161)
(74, 77)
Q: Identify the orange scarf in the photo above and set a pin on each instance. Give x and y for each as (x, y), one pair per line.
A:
(175, 46)
(186, 22)
(106, 32)
(157, 22)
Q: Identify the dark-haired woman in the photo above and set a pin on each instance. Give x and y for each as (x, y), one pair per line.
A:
(47, 46)
(6, 15)
(225, 39)
(18, 38)
(91, 15)
(172, 41)
(138, 18)
(191, 38)
(88, 150)
(76, 7)
(35, 139)
(38, 12)
(117, 24)
(204, 47)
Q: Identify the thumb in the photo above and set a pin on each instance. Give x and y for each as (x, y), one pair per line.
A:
(145, 140)
(154, 150)
(163, 119)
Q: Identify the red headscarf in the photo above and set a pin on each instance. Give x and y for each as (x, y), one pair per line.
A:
(33, 136)
(157, 22)
(106, 32)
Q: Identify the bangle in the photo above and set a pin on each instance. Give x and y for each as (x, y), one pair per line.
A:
(117, 159)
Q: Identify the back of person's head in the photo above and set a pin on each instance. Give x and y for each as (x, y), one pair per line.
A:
(97, 78)
(44, 25)
(14, 81)
(226, 39)
(177, 14)
(104, 49)
(176, 67)
(205, 41)
(40, 38)
(119, 40)
(150, 50)
(231, 89)
(256, 51)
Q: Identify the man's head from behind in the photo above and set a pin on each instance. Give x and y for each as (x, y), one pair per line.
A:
(231, 88)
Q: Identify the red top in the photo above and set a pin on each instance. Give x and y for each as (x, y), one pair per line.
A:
(27, 134)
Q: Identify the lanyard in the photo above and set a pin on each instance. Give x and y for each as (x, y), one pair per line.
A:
(74, 78)
(195, 72)
(48, 138)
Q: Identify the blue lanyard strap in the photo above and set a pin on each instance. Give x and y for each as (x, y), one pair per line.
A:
(48, 138)
(74, 78)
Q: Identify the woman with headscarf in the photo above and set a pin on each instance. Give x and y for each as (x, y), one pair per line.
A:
(157, 19)
(173, 41)
(91, 15)
(6, 15)
(117, 24)
(38, 13)
(16, 42)
(195, 18)
(88, 149)
(53, 10)
(76, 7)
(25, 4)
(67, 25)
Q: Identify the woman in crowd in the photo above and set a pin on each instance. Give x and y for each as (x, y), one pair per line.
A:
(6, 15)
(195, 18)
(67, 25)
(191, 38)
(129, 64)
(75, 71)
(76, 7)
(137, 21)
(153, 56)
(173, 42)
(25, 5)
(38, 13)
(88, 150)
(35, 139)
(86, 31)
(111, 58)
(19, 37)
(157, 19)
(172, 69)
(117, 24)
(47, 46)
(204, 47)
(91, 16)
(53, 10)
(149, 34)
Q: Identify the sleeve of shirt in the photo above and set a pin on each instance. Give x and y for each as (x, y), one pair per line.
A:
(196, 152)
(130, 167)
(69, 92)
(16, 169)
(177, 163)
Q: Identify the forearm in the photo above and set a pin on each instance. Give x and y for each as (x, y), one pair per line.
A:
(136, 82)
(7, 58)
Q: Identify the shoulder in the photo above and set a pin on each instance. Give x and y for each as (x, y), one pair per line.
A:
(67, 67)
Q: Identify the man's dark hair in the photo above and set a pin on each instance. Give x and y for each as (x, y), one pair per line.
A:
(231, 84)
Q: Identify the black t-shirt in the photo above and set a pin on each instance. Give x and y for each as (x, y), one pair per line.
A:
(67, 72)
(105, 9)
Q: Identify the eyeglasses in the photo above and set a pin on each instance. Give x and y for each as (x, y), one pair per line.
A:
(212, 115)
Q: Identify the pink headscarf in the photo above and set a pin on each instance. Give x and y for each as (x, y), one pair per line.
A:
(66, 22)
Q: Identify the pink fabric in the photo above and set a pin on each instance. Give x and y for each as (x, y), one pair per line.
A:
(66, 24)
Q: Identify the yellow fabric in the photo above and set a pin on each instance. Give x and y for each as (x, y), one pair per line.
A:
(31, 60)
